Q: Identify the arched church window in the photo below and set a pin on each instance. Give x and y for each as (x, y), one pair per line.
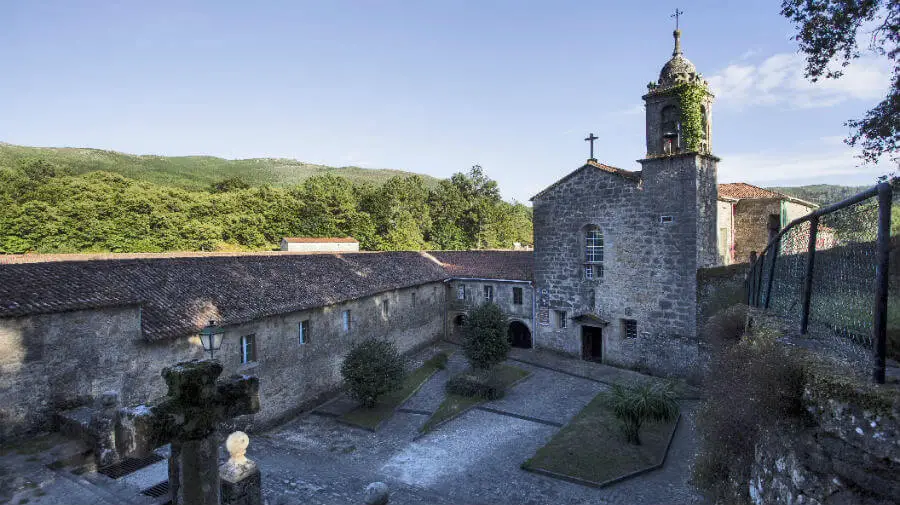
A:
(669, 127)
(593, 253)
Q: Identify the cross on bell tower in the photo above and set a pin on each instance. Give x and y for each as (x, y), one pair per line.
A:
(591, 138)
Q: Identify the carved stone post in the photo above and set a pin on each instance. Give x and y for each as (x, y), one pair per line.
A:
(241, 481)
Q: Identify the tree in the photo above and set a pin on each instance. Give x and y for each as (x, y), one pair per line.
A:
(827, 32)
(485, 343)
(635, 406)
(230, 184)
(371, 369)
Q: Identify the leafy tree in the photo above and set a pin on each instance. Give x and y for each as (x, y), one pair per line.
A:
(485, 342)
(635, 406)
(371, 369)
(39, 169)
(828, 33)
(230, 184)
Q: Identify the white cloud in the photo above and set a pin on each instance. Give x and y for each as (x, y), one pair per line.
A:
(828, 158)
(778, 80)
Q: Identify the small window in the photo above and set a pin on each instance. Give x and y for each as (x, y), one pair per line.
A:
(345, 317)
(412, 298)
(248, 348)
(560, 318)
(461, 292)
(666, 219)
(517, 296)
(304, 331)
(386, 308)
(589, 271)
(489, 293)
(629, 328)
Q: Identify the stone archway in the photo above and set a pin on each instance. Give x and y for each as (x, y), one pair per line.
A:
(519, 335)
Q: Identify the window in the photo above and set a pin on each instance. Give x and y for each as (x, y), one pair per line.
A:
(304, 331)
(461, 292)
(413, 298)
(517, 296)
(345, 317)
(593, 253)
(666, 219)
(560, 318)
(489, 293)
(386, 308)
(248, 348)
(629, 328)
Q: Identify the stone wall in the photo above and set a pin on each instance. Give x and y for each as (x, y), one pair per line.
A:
(650, 263)
(725, 231)
(56, 361)
(474, 296)
(751, 220)
(850, 454)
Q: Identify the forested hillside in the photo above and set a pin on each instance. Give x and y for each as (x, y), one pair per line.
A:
(821, 194)
(45, 207)
(192, 172)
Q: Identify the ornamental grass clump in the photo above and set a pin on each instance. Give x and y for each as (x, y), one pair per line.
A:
(634, 406)
(372, 368)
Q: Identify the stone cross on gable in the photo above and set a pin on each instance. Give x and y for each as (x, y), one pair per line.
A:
(187, 417)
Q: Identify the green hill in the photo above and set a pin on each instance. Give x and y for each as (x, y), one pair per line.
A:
(822, 194)
(194, 172)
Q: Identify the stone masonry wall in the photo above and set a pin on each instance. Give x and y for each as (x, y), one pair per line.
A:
(474, 296)
(649, 265)
(56, 361)
(751, 233)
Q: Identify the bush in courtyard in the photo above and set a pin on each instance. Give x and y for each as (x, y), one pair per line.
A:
(752, 384)
(372, 368)
(725, 327)
(485, 342)
(634, 406)
(479, 383)
(439, 360)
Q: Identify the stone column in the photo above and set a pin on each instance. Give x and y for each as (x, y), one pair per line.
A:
(241, 481)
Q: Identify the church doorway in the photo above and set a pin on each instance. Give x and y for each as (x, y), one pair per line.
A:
(519, 335)
(592, 343)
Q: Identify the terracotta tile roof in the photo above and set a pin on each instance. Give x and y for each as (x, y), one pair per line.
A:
(179, 292)
(319, 240)
(509, 265)
(742, 191)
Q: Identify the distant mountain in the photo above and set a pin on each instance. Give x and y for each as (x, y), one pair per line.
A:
(194, 172)
(821, 194)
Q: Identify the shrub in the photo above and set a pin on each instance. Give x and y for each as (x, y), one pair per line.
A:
(485, 342)
(372, 368)
(726, 327)
(480, 384)
(633, 406)
(751, 385)
(439, 360)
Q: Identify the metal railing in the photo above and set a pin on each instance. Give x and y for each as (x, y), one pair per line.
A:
(828, 270)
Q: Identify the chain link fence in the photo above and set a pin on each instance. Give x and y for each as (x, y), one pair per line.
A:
(828, 274)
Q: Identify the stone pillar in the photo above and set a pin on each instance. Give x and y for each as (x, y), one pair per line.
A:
(103, 428)
(241, 481)
(192, 480)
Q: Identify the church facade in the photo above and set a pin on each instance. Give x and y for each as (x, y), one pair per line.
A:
(617, 251)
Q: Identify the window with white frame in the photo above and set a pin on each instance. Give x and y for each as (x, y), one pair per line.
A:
(489, 293)
(248, 348)
(461, 292)
(304, 331)
(345, 318)
(629, 328)
(593, 253)
(560, 318)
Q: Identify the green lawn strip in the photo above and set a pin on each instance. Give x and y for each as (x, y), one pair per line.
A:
(370, 419)
(454, 406)
(592, 450)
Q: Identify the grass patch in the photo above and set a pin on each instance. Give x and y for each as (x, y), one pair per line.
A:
(454, 405)
(371, 418)
(592, 447)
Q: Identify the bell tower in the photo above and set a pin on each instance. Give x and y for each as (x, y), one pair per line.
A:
(679, 108)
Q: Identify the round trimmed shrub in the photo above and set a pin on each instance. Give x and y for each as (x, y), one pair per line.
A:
(371, 369)
(485, 342)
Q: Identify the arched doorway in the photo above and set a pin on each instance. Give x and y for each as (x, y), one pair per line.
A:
(519, 335)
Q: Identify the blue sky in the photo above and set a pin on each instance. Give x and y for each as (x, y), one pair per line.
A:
(428, 86)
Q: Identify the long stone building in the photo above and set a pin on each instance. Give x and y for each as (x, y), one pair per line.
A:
(612, 278)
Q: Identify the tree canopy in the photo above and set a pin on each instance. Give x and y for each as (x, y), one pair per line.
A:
(46, 209)
(828, 32)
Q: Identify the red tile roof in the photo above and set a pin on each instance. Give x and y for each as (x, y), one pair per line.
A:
(179, 292)
(742, 191)
(319, 240)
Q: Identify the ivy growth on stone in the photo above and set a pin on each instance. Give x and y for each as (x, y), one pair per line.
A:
(690, 98)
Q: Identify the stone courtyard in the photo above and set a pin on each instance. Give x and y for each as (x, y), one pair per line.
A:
(475, 458)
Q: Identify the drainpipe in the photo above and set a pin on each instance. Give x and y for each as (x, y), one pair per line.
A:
(533, 316)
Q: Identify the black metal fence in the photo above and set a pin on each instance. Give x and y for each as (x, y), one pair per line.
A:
(828, 272)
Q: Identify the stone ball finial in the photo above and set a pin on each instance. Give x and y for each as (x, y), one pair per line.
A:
(376, 494)
(237, 443)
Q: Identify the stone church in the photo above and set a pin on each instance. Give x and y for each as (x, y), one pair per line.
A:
(613, 278)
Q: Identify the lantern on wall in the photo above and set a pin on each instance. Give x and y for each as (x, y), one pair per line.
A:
(211, 338)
